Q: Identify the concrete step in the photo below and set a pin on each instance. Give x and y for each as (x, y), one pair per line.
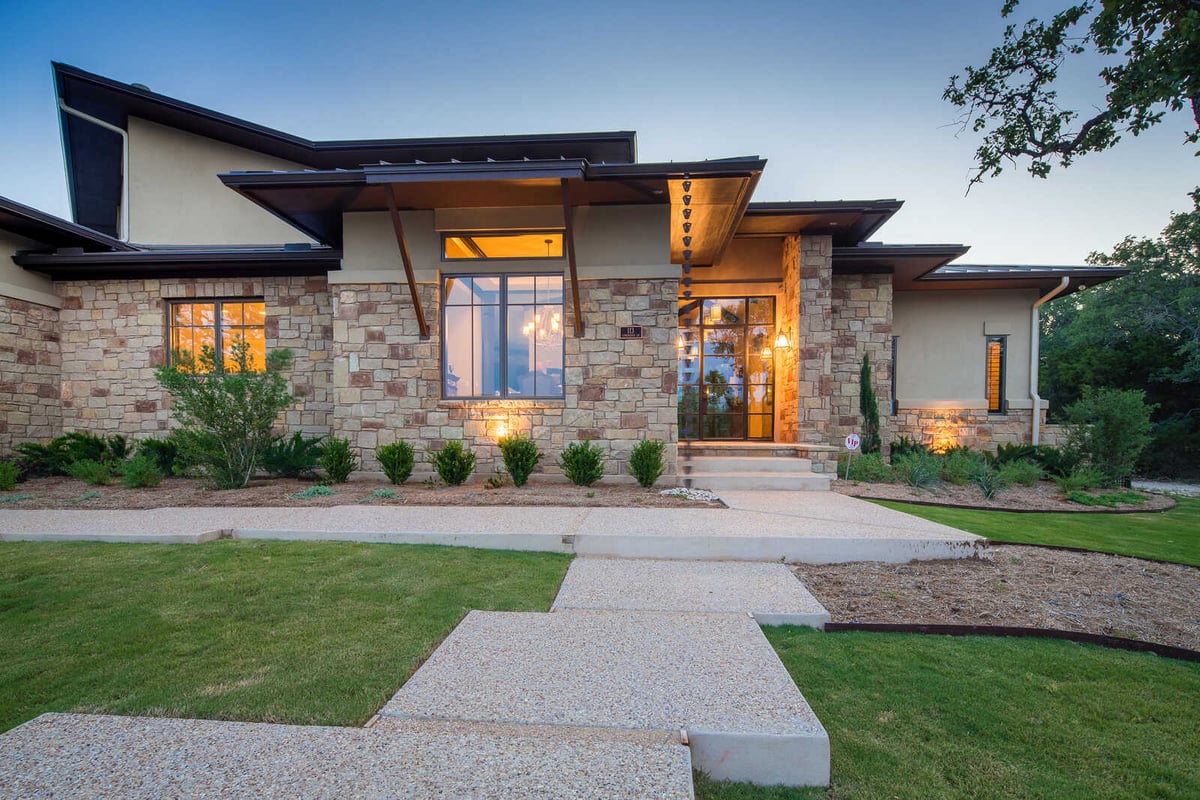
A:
(762, 481)
(742, 449)
(139, 758)
(709, 464)
(713, 676)
(768, 592)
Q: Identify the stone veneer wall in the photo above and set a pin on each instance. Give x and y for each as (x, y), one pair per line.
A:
(30, 361)
(114, 335)
(976, 428)
(388, 381)
(862, 323)
(814, 345)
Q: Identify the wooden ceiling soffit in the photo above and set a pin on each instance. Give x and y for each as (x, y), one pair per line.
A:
(402, 243)
(714, 208)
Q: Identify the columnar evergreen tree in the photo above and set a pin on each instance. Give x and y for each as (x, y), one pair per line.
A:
(869, 407)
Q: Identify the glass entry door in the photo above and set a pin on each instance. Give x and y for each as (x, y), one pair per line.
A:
(726, 368)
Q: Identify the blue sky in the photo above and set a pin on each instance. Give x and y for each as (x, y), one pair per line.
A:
(843, 98)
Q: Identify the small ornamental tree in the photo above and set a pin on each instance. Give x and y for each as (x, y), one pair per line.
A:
(226, 410)
(1110, 427)
(869, 408)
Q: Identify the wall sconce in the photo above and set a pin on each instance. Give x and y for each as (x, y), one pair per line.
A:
(781, 342)
(766, 352)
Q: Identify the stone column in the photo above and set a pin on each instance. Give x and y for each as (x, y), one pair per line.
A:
(814, 345)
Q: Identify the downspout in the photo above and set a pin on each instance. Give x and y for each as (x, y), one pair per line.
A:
(1035, 336)
(108, 126)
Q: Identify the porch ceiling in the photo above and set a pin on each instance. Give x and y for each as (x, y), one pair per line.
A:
(849, 222)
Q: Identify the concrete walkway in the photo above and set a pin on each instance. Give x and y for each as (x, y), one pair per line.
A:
(812, 527)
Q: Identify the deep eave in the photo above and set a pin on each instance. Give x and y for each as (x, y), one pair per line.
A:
(1010, 276)
(52, 231)
(182, 263)
(849, 222)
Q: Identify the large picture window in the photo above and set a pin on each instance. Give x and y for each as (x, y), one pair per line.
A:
(502, 336)
(219, 324)
(996, 346)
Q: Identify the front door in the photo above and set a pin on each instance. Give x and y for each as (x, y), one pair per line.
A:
(726, 368)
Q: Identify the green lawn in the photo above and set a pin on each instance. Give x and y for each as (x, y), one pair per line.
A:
(939, 717)
(271, 631)
(1166, 535)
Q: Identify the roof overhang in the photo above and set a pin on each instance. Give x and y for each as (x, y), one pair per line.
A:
(180, 263)
(995, 276)
(847, 221)
(52, 231)
(906, 263)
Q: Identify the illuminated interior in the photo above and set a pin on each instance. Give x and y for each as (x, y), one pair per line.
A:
(220, 325)
(995, 374)
(525, 244)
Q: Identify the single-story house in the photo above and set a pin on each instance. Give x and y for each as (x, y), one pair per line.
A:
(462, 288)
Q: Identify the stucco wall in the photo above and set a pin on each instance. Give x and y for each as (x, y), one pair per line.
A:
(30, 359)
(942, 348)
(114, 335)
(175, 196)
(20, 283)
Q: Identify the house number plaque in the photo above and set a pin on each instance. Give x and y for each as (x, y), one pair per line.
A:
(631, 332)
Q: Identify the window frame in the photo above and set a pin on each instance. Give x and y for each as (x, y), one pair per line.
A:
(444, 235)
(502, 307)
(218, 339)
(1001, 406)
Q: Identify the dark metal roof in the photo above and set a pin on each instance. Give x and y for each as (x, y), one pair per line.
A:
(93, 155)
(184, 263)
(52, 231)
(849, 222)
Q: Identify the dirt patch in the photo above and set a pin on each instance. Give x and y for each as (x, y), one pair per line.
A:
(182, 492)
(1021, 586)
(1045, 496)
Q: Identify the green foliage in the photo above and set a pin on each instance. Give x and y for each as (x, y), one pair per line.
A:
(918, 469)
(1021, 472)
(867, 468)
(453, 463)
(869, 407)
(582, 463)
(990, 481)
(521, 455)
(141, 471)
(1058, 462)
(959, 465)
(164, 453)
(1112, 500)
(646, 461)
(296, 457)
(1174, 449)
(1110, 427)
(9, 472)
(904, 446)
(379, 494)
(498, 480)
(36, 460)
(338, 460)
(96, 473)
(41, 460)
(16, 498)
(320, 490)
(397, 460)
(1014, 452)
(226, 410)
(1149, 52)
(1082, 477)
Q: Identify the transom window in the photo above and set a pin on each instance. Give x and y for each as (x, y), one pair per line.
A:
(502, 336)
(219, 324)
(484, 245)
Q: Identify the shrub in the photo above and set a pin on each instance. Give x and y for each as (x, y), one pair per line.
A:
(36, 460)
(296, 457)
(141, 471)
(989, 480)
(868, 467)
(41, 460)
(959, 465)
(521, 455)
(1080, 478)
(646, 461)
(338, 460)
(397, 461)
(919, 469)
(869, 407)
(582, 463)
(1014, 452)
(1110, 427)
(1022, 472)
(1056, 461)
(1106, 500)
(313, 491)
(165, 453)
(226, 410)
(9, 472)
(96, 473)
(904, 446)
(453, 463)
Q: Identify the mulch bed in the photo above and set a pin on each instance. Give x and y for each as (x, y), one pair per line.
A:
(1045, 496)
(275, 492)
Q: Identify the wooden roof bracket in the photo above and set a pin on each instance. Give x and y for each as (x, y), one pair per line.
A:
(398, 227)
(569, 241)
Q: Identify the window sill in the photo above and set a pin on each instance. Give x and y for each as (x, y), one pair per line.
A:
(503, 402)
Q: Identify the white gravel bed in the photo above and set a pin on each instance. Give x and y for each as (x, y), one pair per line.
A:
(136, 758)
(770, 592)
